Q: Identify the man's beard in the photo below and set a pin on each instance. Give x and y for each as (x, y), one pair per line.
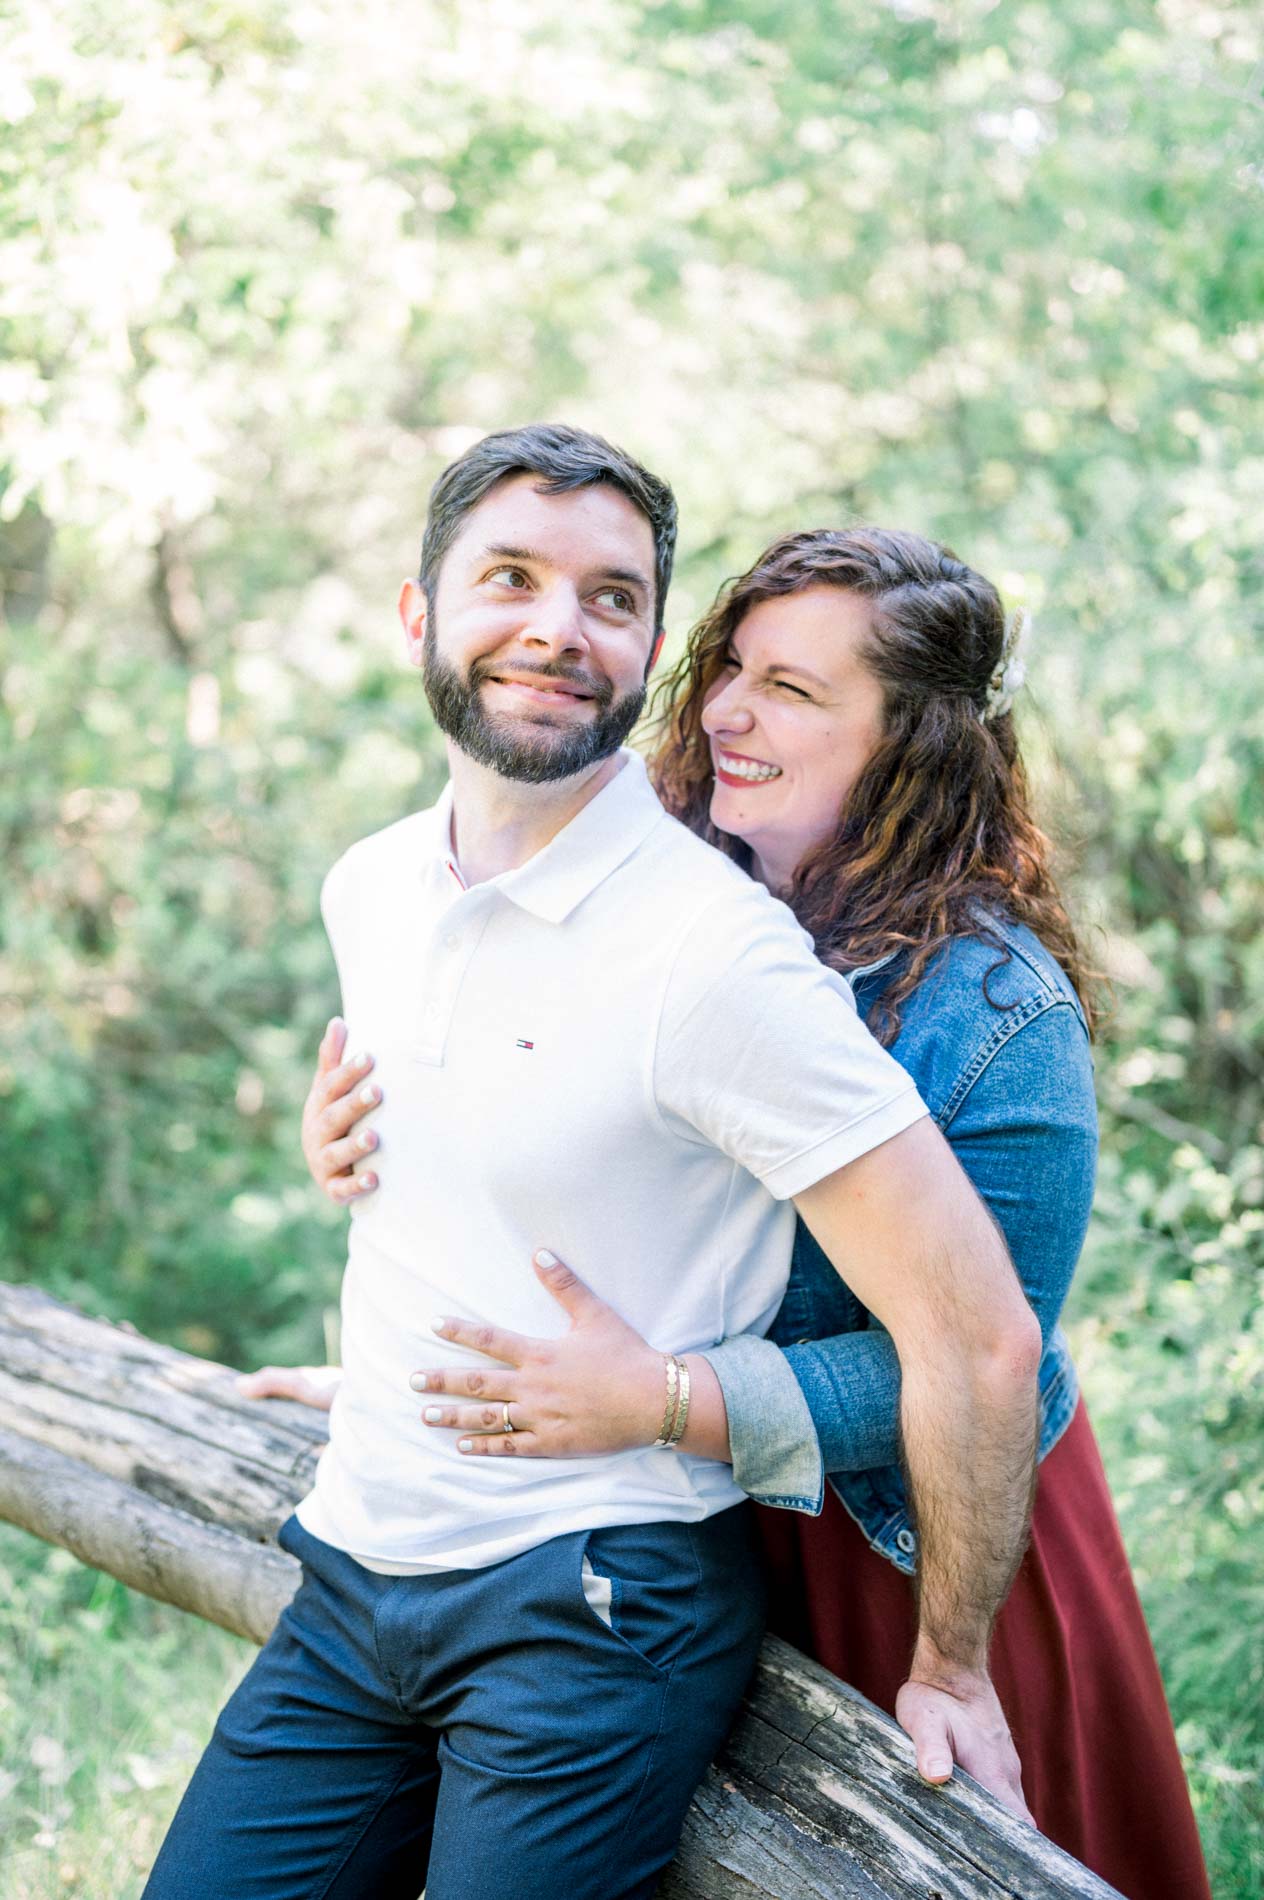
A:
(537, 755)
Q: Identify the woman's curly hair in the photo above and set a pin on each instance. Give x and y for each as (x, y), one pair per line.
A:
(937, 832)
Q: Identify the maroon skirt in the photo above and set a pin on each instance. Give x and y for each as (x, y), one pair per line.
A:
(1071, 1660)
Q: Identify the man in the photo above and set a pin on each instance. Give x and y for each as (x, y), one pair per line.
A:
(502, 1673)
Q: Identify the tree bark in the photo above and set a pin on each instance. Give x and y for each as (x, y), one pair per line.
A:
(146, 1463)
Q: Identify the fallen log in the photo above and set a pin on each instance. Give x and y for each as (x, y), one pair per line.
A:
(146, 1463)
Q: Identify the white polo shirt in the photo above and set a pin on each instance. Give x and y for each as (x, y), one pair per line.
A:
(624, 1050)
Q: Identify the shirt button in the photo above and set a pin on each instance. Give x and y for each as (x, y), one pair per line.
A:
(906, 1542)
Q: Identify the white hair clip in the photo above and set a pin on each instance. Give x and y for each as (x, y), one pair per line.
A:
(1011, 668)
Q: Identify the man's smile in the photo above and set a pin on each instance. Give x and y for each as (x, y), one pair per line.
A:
(540, 689)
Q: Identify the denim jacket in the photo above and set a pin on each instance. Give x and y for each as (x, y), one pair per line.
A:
(996, 1042)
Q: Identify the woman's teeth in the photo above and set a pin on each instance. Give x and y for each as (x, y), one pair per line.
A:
(747, 768)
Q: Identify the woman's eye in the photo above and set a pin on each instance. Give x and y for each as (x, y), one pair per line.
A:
(798, 691)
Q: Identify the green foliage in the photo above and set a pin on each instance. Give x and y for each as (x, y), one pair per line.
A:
(106, 1701)
(1170, 1345)
(986, 269)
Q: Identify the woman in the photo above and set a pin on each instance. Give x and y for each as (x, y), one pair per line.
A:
(840, 726)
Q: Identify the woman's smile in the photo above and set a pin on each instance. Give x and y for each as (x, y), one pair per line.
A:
(731, 768)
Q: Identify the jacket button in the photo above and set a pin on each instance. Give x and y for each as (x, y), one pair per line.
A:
(906, 1541)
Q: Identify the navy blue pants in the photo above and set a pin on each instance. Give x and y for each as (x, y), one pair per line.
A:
(478, 1733)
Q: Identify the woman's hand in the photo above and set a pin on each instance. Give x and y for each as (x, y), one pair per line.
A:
(337, 1099)
(310, 1385)
(600, 1388)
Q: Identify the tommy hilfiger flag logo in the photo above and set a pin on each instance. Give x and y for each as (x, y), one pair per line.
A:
(523, 1044)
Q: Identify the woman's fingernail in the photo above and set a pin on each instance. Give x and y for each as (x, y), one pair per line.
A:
(432, 1414)
(368, 1094)
(437, 1325)
(545, 1259)
(366, 1181)
(366, 1141)
(361, 1061)
(418, 1382)
(465, 1444)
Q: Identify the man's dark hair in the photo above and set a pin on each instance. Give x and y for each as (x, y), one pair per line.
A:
(564, 459)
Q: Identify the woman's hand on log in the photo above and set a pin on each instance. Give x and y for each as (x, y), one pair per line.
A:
(599, 1388)
(956, 1715)
(310, 1385)
(338, 1098)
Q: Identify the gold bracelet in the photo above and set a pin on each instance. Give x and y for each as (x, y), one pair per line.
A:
(672, 1406)
(682, 1407)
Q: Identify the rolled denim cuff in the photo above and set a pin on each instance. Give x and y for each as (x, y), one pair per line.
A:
(851, 1386)
(772, 1440)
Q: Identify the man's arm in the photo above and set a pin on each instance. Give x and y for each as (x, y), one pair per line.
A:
(912, 1239)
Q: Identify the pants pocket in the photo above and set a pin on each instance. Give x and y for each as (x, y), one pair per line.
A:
(648, 1576)
(598, 1592)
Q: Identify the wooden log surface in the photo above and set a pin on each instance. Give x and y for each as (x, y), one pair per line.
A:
(146, 1463)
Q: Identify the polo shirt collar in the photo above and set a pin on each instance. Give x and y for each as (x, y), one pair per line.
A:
(585, 852)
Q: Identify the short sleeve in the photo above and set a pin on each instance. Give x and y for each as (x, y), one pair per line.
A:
(334, 895)
(341, 907)
(761, 1054)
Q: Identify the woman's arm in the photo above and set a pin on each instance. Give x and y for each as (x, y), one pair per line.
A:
(1026, 1137)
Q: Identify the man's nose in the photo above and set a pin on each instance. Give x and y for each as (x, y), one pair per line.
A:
(557, 623)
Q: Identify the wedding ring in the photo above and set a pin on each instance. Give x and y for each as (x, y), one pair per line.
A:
(509, 1424)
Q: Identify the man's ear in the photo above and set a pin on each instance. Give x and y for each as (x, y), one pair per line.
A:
(655, 650)
(413, 608)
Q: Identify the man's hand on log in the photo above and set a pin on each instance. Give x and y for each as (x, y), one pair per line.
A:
(958, 1716)
(310, 1385)
(338, 1098)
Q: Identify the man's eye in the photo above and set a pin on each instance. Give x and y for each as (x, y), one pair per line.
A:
(509, 577)
(619, 598)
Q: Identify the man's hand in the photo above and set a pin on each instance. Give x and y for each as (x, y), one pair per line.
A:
(310, 1385)
(336, 1101)
(959, 1718)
